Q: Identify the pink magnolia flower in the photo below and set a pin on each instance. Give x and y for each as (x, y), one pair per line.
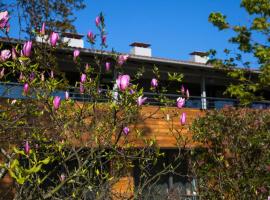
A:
(32, 76)
(76, 53)
(26, 51)
(107, 66)
(154, 83)
(2, 73)
(42, 30)
(66, 95)
(13, 101)
(83, 78)
(183, 118)
(187, 93)
(62, 177)
(123, 82)
(5, 55)
(42, 77)
(91, 37)
(122, 59)
(26, 88)
(81, 88)
(131, 91)
(86, 67)
(14, 54)
(183, 89)
(97, 20)
(53, 39)
(126, 130)
(180, 102)
(103, 39)
(52, 74)
(141, 100)
(21, 76)
(27, 148)
(4, 19)
(56, 102)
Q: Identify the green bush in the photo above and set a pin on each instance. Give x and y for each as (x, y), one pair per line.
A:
(234, 161)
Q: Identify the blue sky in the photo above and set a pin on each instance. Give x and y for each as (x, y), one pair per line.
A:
(174, 28)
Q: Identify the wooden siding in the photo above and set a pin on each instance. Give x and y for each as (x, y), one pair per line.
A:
(159, 123)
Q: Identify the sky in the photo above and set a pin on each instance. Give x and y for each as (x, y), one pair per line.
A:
(174, 28)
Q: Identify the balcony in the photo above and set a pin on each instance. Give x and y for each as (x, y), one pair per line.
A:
(14, 91)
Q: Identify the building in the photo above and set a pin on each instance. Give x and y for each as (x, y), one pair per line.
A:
(205, 83)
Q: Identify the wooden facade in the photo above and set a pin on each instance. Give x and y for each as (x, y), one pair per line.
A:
(159, 123)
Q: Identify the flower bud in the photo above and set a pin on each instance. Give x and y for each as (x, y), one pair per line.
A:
(53, 39)
(56, 102)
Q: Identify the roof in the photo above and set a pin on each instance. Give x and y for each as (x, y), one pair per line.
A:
(156, 60)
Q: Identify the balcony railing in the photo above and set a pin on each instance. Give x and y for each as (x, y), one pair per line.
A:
(15, 91)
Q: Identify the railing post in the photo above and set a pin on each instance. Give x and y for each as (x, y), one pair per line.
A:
(203, 92)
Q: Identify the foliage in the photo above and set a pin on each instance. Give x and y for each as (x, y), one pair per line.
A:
(234, 162)
(252, 40)
(58, 15)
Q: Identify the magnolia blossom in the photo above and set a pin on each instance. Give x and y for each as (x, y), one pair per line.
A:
(187, 93)
(107, 66)
(26, 51)
(5, 54)
(123, 82)
(21, 76)
(2, 73)
(91, 37)
(32, 76)
(126, 130)
(86, 67)
(13, 101)
(14, 54)
(4, 19)
(103, 39)
(52, 74)
(122, 59)
(183, 118)
(154, 83)
(81, 87)
(53, 39)
(141, 100)
(56, 102)
(42, 77)
(62, 177)
(42, 30)
(83, 78)
(183, 89)
(26, 148)
(66, 95)
(97, 20)
(76, 53)
(131, 91)
(180, 102)
(26, 88)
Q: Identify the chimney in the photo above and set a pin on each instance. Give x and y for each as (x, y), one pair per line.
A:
(140, 49)
(199, 57)
(73, 39)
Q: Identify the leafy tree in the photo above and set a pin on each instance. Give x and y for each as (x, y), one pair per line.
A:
(58, 15)
(234, 162)
(252, 39)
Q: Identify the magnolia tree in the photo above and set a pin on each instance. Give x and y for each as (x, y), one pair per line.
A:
(54, 147)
